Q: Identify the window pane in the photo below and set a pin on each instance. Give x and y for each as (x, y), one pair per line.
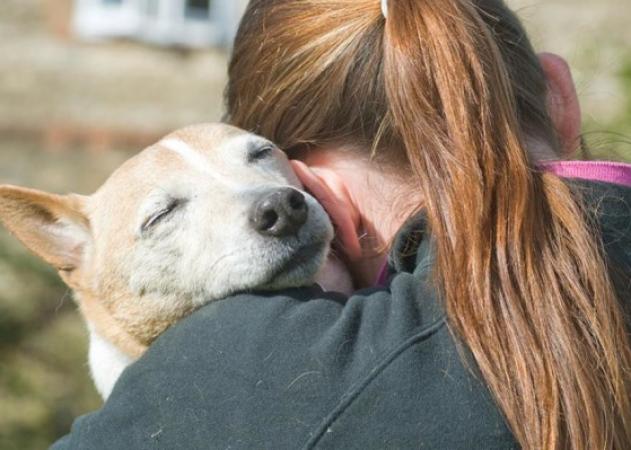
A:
(197, 9)
(151, 7)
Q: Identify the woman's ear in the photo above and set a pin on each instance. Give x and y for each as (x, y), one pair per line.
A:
(563, 104)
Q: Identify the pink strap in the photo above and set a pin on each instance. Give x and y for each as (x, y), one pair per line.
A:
(382, 278)
(605, 171)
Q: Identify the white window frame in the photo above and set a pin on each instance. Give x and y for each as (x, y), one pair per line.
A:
(94, 19)
(170, 26)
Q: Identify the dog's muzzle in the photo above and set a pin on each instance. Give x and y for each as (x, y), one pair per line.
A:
(279, 213)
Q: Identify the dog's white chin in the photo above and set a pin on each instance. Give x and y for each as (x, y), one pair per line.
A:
(300, 270)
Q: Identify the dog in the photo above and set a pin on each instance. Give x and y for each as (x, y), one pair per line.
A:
(208, 211)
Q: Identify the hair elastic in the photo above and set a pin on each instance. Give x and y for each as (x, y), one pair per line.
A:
(384, 8)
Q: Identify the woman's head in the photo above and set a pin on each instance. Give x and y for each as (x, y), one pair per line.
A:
(312, 72)
(450, 95)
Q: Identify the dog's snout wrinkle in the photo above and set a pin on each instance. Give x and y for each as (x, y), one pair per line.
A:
(280, 213)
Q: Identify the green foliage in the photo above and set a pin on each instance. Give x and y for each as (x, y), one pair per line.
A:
(612, 139)
(44, 382)
(625, 78)
(44, 376)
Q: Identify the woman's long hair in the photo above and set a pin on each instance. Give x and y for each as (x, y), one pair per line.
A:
(453, 90)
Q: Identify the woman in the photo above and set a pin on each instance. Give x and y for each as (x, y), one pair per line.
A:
(500, 325)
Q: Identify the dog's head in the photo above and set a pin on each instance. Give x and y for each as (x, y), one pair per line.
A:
(208, 211)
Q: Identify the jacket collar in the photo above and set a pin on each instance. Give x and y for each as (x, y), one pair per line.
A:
(607, 205)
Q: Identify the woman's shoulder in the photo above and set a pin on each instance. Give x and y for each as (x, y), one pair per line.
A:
(604, 188)
(608, 206)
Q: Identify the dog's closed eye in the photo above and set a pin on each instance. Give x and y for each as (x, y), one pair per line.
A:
(259, 153)
(161, 214)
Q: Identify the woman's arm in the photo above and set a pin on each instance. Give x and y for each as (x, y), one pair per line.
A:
(299, 369)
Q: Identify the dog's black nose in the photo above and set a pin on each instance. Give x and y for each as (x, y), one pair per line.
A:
(279, 213)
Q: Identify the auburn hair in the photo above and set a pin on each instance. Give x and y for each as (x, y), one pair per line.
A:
(452, 92)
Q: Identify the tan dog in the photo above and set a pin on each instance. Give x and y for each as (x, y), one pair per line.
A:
(208, 211)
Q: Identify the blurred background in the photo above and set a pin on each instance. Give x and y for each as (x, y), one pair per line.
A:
(84, 84)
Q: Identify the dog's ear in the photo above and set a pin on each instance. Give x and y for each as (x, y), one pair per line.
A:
(54, 227)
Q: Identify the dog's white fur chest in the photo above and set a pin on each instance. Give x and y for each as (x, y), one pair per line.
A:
(106, 363)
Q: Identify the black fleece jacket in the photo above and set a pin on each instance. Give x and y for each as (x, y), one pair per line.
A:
(304, 369)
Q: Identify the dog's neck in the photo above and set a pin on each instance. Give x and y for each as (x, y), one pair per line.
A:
(102, 322)
(112, 346)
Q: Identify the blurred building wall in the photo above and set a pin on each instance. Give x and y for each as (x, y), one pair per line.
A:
(185, 23)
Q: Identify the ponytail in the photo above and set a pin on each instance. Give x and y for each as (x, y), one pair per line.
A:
(523, 280)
